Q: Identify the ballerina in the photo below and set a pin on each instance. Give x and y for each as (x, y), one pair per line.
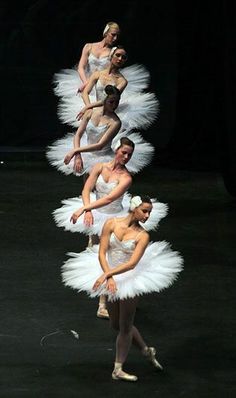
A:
(104, 196)
(123, 267)
(95, 139)
(94, 56)
(137, 108)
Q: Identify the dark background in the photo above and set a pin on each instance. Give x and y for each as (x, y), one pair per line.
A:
(190, 50)
(188, 47)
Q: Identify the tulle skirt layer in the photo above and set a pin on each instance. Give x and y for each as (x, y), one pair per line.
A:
(63, 214)
(137, 108)
(66, 82)
(157, 270)
(137, 111)
(142, 155)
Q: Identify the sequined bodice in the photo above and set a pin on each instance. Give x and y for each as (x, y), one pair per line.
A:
(120, 250)
(94, 134)
(102, 189)
(95, 63)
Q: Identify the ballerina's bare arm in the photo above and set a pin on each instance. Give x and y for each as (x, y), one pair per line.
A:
(134, 259)
(106, 138)
(104, 244)
(103, 247)
(83, 62)
(90, 84)
(81, 129)
(88, 187)
(87, 107)
(121, 84)
(85, 95)
(117, 192)
(76, 139)
(106, 233)
(123, 185)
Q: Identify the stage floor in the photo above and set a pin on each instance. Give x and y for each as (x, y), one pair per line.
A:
(192, 324)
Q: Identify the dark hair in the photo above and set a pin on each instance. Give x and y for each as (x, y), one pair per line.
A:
(146, 199)
(112, 90)
(126, 141)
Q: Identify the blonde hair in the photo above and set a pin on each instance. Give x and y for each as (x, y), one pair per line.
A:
(109, 26)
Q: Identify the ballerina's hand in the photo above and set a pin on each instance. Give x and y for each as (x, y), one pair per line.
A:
(88, 218)
(78, 164)
(111, 285)
(69, 156)
(81, 113)
(99, 282)
(76, 215)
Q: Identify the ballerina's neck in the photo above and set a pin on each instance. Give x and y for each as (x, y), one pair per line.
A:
(114, 70)
(115, 167)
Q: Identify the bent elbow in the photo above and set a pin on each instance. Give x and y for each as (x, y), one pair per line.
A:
(131, 266)
(99, 146)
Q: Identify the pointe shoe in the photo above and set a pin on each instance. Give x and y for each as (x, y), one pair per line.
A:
(121, 375)
(102, 312)
(150, 353)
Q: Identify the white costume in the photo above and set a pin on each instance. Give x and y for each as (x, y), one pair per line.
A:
(141, 157)
(118, 208)
(137, 109)
(67, 81)
(156, 270)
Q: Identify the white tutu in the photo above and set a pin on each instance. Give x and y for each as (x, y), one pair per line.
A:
(118, 208)
(63, 214)
(141, 157)
(157, 269)
(67, 81)
(137, 109)
(138, 78)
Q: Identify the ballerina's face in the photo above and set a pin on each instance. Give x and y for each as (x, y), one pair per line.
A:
(142, 212)
(112, 36)
(123, 154)
(119, 57)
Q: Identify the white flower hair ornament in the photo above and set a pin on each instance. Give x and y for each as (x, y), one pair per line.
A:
(112, 52)
(107, 27)
(117, 145)
(136, 201)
